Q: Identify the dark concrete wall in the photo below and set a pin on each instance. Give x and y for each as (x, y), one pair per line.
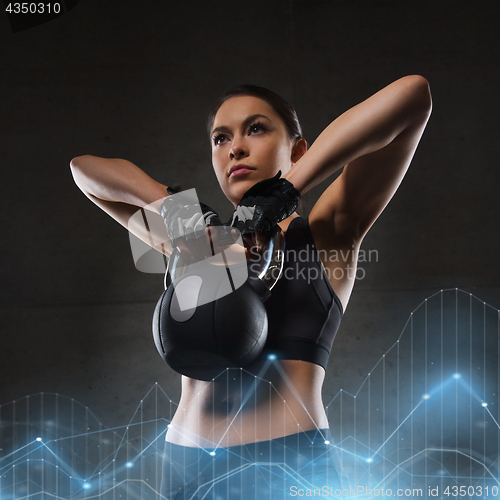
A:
(136, 79)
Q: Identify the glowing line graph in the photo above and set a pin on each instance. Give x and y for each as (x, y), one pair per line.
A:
(100, 457)
(376, 452)
(71, 473)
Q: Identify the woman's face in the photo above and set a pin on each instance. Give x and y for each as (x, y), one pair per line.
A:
(249, 143)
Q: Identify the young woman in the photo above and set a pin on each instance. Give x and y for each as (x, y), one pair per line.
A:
(235, 437)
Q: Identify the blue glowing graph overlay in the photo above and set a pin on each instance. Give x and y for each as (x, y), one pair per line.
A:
(425, 417)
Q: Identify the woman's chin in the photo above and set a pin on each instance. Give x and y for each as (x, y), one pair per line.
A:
(237, 191)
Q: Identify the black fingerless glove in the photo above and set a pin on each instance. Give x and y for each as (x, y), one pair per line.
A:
(264, 205)
(182, 217)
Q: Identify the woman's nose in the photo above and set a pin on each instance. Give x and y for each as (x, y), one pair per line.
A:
(238, 149)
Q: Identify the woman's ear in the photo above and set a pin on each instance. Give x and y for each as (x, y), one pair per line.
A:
(298, 150)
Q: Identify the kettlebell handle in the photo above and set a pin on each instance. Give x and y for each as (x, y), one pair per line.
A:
(171, 265)
(271, 262)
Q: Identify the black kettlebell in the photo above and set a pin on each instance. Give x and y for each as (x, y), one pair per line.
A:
(204, 337)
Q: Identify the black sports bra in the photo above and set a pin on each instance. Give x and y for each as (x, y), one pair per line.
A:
(304, 311)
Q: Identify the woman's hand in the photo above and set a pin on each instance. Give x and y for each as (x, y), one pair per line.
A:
(186, 221)
(264, 205)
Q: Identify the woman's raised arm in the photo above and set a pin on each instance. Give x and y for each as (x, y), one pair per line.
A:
(121, 188)
(376, 141)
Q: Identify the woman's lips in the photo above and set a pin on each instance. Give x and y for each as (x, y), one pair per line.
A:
(240, 171)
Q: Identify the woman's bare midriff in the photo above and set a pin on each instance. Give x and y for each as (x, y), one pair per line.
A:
(268, 401)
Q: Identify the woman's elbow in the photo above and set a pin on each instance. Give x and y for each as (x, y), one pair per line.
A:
(421, 94)
(78, 162)
(77, 167)
(417, 99)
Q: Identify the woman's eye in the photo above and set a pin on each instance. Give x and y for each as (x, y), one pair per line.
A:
(256, 127)
(218, 139)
